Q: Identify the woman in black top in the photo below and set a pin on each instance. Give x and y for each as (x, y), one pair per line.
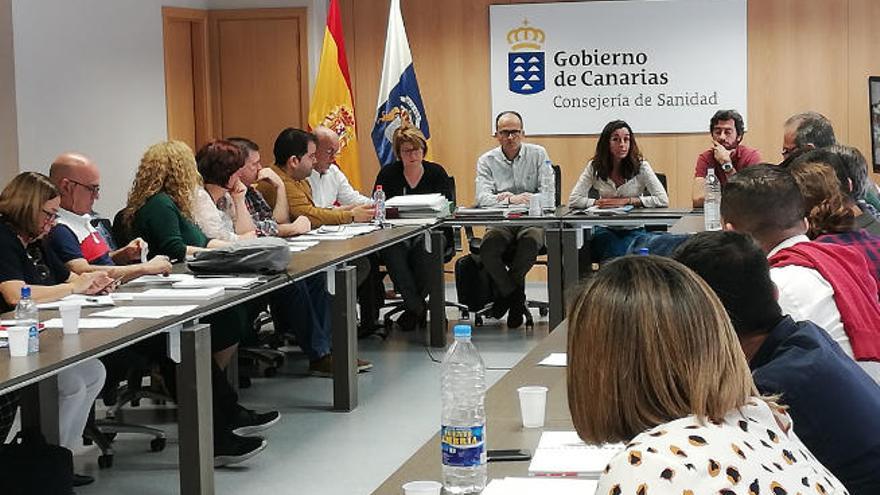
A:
(406, 261)
(28, 209)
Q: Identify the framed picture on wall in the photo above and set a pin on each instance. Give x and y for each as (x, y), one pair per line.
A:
(874, 112)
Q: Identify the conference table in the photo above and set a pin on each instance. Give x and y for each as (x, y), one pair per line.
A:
(504, 428)
(35, 376)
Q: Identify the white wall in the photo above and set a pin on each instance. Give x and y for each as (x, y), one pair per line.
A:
(89, 77)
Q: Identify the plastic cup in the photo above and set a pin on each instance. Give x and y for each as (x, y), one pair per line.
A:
(18, 341)
(532, 404)
(422, 488)
(70, 317)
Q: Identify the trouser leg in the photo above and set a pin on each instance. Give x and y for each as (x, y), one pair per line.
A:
(302, 308)
(78, 387)
(397, 259)
(225, 400)
(495, 243)
(528, 243)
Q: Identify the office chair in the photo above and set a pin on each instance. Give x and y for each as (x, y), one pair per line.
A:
(474, 244)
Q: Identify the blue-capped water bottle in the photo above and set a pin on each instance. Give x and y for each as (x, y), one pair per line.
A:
(27, 315)
(463, 421)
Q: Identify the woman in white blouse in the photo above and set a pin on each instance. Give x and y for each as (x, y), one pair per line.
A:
(654, 362)
(219, 208)
(618, 173)
(621, 177)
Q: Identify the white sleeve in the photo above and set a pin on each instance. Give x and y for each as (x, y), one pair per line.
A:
(657, 197)
(209, 219)
(485, 184)
(579, 197)
(345, 194)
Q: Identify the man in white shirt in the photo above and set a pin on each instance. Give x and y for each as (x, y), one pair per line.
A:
(329, 185)
(765, 202)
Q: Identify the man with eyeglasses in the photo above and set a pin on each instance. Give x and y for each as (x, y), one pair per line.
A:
(509, 175)
(76, 241)
(803, 132)
(726, 156)
(330, 186)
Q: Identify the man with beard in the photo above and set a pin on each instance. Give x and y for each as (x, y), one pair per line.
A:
(727, 155)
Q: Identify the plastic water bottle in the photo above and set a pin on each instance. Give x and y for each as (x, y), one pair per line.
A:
(548, 184)
(379, 205)
(463, 422)
(27, 315)
(712, 202)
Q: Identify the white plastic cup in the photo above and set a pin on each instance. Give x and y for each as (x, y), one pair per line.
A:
(70, 317)
(18, 340)
(532, 405)
(422, 488)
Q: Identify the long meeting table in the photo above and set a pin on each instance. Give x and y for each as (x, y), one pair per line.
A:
(36, 376)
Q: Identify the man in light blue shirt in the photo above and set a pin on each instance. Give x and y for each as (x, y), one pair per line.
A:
(511, 174)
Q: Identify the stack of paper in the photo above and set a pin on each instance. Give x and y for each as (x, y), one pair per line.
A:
(89, 322)
(563, 453)
(492, 212)
(554, 359)
(176, 294)
(161, 279)
(598, 210)
(420, 205)
(145, 311)
(531, 486)
(225, 282)
(337, 232)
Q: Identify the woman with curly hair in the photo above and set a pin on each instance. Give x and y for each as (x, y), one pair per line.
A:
(160, 210)
(831, 216)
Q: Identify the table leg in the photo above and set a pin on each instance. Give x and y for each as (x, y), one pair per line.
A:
(195, 411)
(39, 408)
(553, 237)
(437, 291)
(571, 261)
(344, 339)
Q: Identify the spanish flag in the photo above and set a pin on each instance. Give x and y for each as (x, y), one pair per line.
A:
(332, 103)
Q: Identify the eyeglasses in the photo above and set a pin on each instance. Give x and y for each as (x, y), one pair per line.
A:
(410, 151)
(35, 256)
(94, 189)
(51, 216)
(510, 133)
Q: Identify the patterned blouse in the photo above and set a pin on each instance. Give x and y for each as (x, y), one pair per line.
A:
(753, 451)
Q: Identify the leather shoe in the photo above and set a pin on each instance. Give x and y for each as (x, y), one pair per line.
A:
(82, 479)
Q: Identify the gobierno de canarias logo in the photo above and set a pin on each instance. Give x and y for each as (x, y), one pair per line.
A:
(525, 61)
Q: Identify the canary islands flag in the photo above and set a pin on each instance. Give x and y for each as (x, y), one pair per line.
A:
(399, 99)
(332, 103)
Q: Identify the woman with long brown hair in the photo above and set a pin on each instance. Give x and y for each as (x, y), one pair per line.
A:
(654, 362)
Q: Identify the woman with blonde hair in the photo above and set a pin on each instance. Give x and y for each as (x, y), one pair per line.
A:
(654, 362)
(831, 215)
(160, 210)
(29, 206)
(411, 174)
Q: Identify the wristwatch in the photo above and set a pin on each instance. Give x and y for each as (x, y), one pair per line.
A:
(727, 167)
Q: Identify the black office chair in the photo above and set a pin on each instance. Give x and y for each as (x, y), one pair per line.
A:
(474, 244)
(450, 249)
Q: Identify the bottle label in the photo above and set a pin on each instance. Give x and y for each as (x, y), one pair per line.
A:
(463, 446)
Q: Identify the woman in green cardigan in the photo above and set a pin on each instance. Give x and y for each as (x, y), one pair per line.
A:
(159, 211)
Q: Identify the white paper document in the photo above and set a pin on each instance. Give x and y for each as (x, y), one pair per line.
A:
(554, 359)
(151, 312)
(532, 486)
(225, 282)
(563, 453)
(86, 301)
(90, 322)
(161, 279)
(178, 294)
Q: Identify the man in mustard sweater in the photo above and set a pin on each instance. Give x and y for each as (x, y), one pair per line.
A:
(294, 156)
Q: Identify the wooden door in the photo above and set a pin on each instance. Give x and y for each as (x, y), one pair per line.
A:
(259, 73)
(187, 91)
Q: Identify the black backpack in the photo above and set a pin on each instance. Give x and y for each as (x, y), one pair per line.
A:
(30, 466)
(472, 284)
